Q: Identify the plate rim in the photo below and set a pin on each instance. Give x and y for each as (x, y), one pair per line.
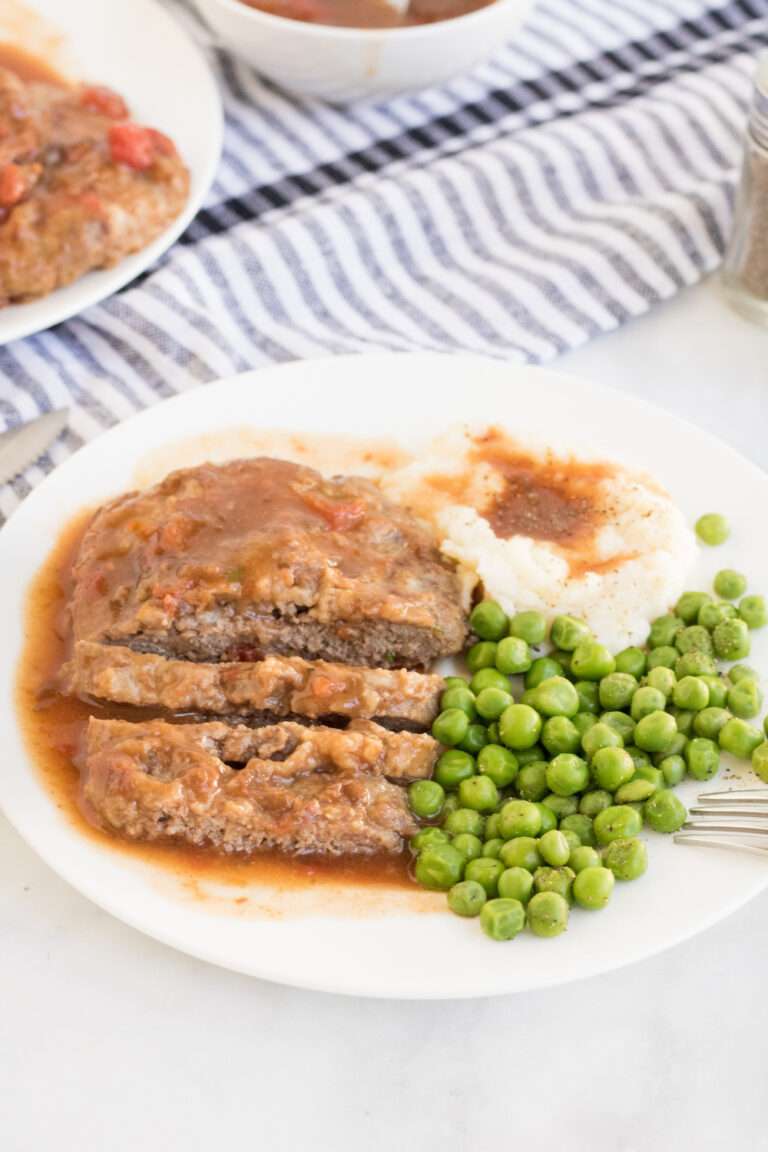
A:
(361, 987)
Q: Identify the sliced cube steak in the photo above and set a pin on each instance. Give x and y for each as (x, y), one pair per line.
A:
(234, 561)
(277, 686)
(300, 789)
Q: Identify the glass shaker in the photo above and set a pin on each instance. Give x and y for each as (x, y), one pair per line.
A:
(745, 271)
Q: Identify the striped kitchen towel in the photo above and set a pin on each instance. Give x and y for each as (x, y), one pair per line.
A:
(582, 176)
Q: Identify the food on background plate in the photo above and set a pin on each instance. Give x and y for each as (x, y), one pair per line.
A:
(551, 534)
(81, 185)
(368, 13)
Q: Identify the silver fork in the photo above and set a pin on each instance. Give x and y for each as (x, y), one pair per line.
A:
(736, 818)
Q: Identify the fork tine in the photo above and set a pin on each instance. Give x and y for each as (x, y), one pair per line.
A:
(728, 795)
(718, 841)
(723, 811)
(737, 829)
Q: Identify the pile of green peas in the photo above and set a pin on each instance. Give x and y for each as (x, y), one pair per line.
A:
(545, 782)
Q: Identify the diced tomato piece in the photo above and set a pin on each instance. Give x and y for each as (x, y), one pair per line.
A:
(164, 146)
(105, 102)
(13, 185)
(132, 145)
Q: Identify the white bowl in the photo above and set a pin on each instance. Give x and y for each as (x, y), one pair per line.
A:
(344, 64)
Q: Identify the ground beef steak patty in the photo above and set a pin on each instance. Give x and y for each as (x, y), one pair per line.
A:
(234, 561)
(81, 186)
(298, 789)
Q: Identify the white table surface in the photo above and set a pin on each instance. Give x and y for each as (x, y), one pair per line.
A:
(111, 1042)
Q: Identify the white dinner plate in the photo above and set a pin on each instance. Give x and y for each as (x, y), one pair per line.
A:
(396, 944)
(137, 48)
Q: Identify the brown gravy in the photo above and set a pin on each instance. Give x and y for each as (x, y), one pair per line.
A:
(368, 13)
(53, 726)
(28, 67)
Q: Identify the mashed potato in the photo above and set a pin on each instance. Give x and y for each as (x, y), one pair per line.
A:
(553, 534)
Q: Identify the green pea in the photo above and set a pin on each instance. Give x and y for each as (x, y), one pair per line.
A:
(710, 615)
(612, 767)
(466, 898)
(426, 798)
(639, 758)
(760, 761)
(655, 731)
(631, 661)
(439, 866)
(616, 691)
(548, 818)
(622, 725)
(645, 701)
(561, 805)
(688, 607)
(476, 738)
(528, 697)
(460, 698)
(488, 678)
(455, 682)
(542, 669)
(531, 782)
(554, 880)
(599, 736)
(636, 791)
(581, 826)
(729, 584)
(683, 719)
(482, 655)
(663, 680)
(516, 884)
(741, 672)
(464, 820)
(547, 914)
(676, 747)
(520, 726)
(453, 767)
(592, 661)
(488, 620)
(703, 758)
(616, 822)
(491, 702)
(592, 887)
(587, 691)
(583, 857)
(560, 735)
(695, 664)
(673, 770)
(595, 801)
(529, 626)
(626, 857)
(745, 699)
(567, 632)
(427, 836)
(712, 529)
(529, 755)
(513, 656)
(522, 852)
(739, 738)
(694, 639)
(451, 804)
(571, 836)
(470, 846)
(731, 640)
(718, 689)
(664, 657)
(563, 659)
(502, 919)
(691, 693)
(478, 793)
(498, 764)
(665, 812)
(485, 871)
(753, 611)
(663, 631)
(554, 848)
(451, 726)
(519, 818)
(492, 826)
(567, 774)
(556, 697)
(492, 732)
(583, 721)
(492, 848)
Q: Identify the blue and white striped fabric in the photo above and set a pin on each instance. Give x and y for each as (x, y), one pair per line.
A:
(580, 178)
